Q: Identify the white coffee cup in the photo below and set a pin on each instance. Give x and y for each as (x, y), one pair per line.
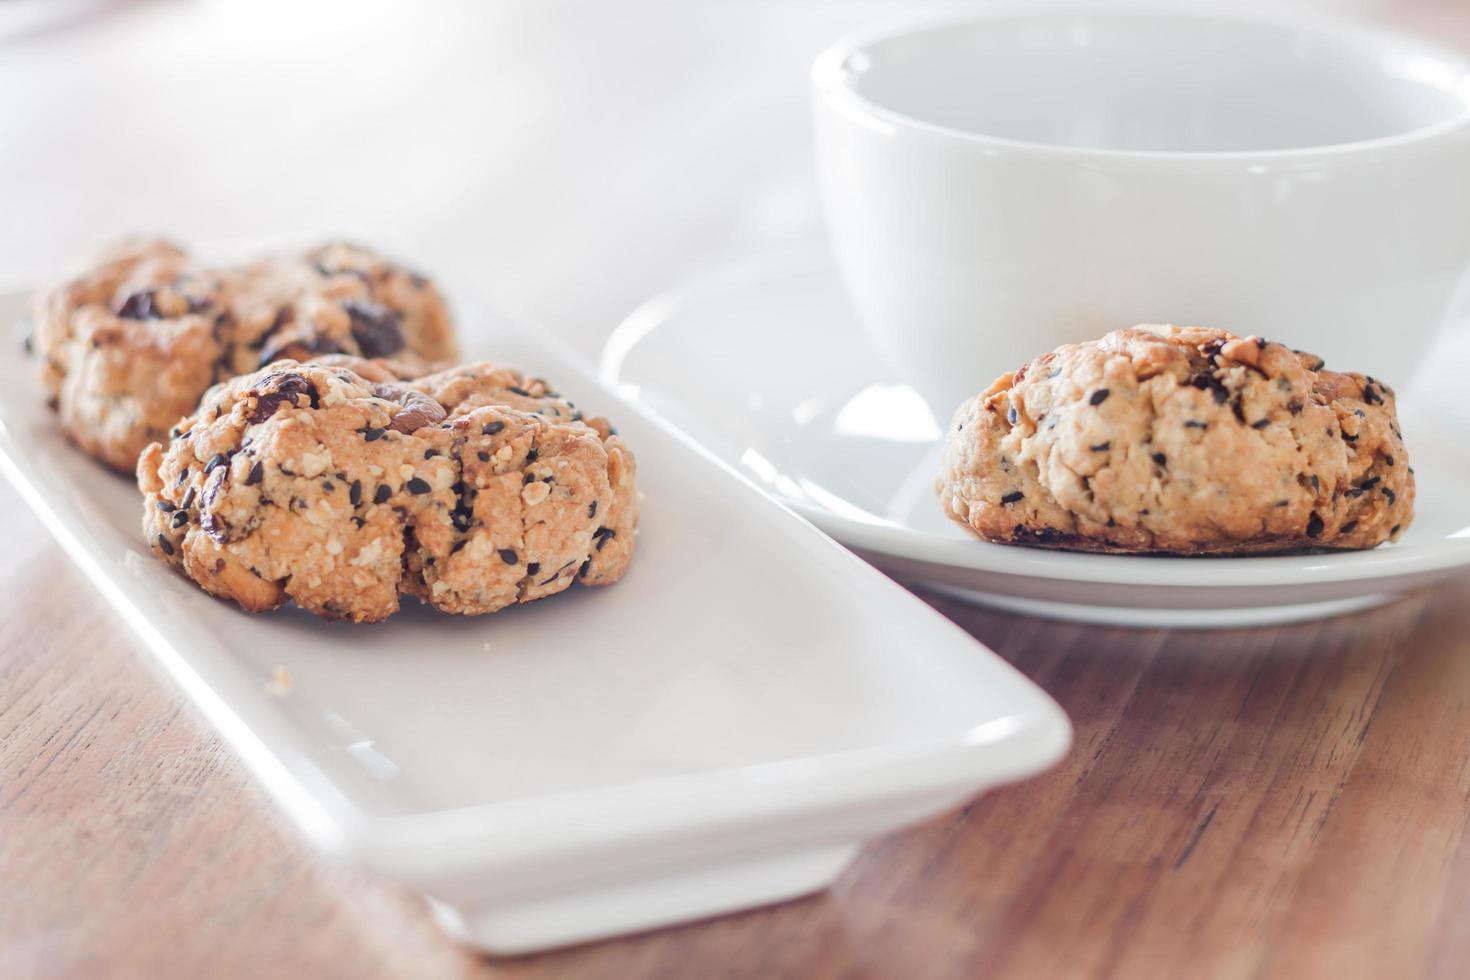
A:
(998, 185)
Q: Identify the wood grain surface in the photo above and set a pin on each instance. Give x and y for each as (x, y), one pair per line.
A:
(1272, 802)
(1286, 802)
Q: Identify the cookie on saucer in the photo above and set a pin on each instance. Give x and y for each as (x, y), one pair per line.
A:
(1180, 441)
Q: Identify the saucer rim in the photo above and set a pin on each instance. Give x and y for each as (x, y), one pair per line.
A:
(1383, 564)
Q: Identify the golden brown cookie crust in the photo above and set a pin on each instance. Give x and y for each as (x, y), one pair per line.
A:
(314, 484)
(127, 349)
(1170, 440)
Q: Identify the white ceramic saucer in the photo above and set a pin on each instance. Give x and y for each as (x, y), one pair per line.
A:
(765, 365)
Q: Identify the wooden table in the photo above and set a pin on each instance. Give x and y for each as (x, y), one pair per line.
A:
(1279, 802)
(1282, 802)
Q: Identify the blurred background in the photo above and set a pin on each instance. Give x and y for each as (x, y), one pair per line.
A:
(562, 161)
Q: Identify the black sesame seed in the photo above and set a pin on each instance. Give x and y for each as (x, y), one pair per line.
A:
(1161, 459)
(1260, 423)
(430, 453)
(218, 459)
(328, 486)
(166, 545)
(181, 517)
(354, 492)
(1195, 424)
(508, 556)
(484, 457)
(604, 535)
(418, 485)
(531, 455)
(188, 500)
(582, 572)
(1349, 527)
(371, 434)
(1012, 416)
(1370, 483)
(381, 495)
(167, 506)
(1314, 526)
(1099, 396)
(1012, 497)
(491, 428)
(1392, 497)
(1394, 530)
(592, 509)
(514, 390)
(457, 545)
(533, 568)
(1388, 460)
(1101, 447)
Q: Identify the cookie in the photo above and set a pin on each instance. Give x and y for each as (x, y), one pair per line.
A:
(341, 488)
(1184, 441)
(127, 349)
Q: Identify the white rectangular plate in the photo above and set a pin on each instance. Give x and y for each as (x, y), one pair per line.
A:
(720, 729)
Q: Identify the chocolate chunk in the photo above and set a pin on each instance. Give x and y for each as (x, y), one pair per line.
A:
(377, 329)
(418, 409)
(282, 388)
(140, 306)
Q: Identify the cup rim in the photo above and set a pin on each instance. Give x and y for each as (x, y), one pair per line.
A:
(829, 76)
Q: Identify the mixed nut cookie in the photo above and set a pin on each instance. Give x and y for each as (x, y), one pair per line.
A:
(339, 487)
(127, 348)
(1170, 440)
